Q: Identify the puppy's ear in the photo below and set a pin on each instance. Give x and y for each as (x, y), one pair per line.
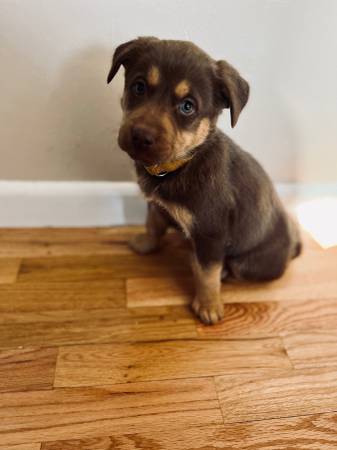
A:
(124, 53)
(233, 88)
(120, 56)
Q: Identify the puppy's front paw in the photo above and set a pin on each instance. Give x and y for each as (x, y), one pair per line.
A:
(144, 244)
(208, 312)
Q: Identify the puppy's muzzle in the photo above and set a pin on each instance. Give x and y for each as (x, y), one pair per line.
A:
(145, 142)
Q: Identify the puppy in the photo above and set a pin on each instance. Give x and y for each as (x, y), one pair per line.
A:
(193, 175)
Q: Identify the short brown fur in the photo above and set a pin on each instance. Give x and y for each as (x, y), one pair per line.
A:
(182, 216)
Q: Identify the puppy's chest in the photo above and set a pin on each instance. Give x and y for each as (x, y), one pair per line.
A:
(181, 215)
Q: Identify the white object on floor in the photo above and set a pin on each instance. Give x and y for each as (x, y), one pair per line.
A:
(319, 218)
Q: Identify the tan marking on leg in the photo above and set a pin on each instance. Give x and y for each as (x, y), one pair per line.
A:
(207, 279)
(182, 89)
(207, 303)
(153, 76)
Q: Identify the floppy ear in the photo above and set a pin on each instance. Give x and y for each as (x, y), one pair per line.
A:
(234, 89)
(120, 56)
(125, 52)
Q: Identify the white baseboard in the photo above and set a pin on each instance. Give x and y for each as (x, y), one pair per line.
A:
(70, 204)
(94, 203)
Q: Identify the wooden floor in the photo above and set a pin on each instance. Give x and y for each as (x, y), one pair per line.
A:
(99, 351)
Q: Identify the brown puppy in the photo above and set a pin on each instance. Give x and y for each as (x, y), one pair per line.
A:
(193, 175)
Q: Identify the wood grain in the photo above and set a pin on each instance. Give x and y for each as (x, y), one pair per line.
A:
(267, 319)
(27, 368)
(40, 242)
(312, 349)
(102, 267)
(83, 413)
(158, 291)
(21, 447)
(135, 370)
(53, 328)
(312, 432)
(9, 268)
(39, 297)
(89, 365)
(275, 395)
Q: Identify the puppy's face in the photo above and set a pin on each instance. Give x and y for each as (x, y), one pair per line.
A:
(173, 95)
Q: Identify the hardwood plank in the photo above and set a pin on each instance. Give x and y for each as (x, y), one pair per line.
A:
(312, 276)
(267, 319)
(89, 365)
(21, 447)
(137, 315)
(40, 242)
(44, 296)
(53, 328)
(63, 414)
(103, 267)
(9, 268)
(258, 396)
(314, 432)
(312, 349)
(27, 369)
(158, 291)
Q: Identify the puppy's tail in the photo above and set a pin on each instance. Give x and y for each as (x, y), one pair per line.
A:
(297, 250)
(296, 246)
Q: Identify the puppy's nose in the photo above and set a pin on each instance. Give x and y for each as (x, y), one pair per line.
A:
(142, 137)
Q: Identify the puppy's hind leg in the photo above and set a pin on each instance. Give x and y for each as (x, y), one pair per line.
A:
(156, 226)
(262, 264)
(269, 259)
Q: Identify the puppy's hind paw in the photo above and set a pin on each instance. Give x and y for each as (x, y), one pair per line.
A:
(208, 313)
(144, 244)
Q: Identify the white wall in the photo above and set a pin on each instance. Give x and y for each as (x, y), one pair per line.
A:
(58, 118)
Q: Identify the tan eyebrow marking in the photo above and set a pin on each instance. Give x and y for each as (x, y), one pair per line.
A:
(182, 88)
(153, 76)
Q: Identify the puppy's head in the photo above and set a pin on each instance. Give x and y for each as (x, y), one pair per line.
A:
(173, 95)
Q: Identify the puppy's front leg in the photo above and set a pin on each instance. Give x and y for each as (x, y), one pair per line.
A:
(156, 226)
(207, 303)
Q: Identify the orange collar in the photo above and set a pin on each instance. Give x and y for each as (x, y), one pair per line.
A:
(159, 170)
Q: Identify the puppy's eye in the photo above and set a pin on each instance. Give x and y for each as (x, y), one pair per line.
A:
(139, 87)
(187, 107)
